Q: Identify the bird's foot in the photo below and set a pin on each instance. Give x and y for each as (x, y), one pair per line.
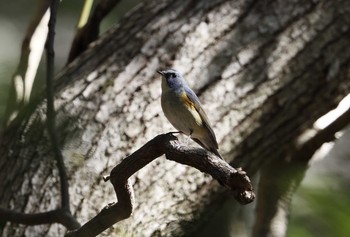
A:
(187, 140)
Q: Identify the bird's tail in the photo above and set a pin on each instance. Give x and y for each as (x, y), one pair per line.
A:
(209, 148)
(216, 152)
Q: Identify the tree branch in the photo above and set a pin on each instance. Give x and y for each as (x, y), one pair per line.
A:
(235, 180)
(63, 214)
(49, 217)
(31, 52)
(65, 204)
(90, 31)
(306, 150)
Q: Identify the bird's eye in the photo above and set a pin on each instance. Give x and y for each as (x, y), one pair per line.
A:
(171, 75)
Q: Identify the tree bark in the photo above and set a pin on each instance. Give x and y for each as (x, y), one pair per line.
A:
(264, 70)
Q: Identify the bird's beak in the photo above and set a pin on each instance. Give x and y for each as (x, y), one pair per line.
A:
(161, 72)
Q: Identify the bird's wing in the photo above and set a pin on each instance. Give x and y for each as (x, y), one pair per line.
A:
(197, 105)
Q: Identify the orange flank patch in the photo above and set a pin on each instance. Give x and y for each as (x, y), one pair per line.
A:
(192, 108)
(187, 101)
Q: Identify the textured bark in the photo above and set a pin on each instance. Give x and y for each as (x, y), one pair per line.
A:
(264, 70)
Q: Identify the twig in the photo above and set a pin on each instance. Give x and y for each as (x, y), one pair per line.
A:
(49, 217)
(235, 180)
(63, 214)
(65, 204)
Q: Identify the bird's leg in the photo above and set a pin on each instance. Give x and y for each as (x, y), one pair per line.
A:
(188, 137)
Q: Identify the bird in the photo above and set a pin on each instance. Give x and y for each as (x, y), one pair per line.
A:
(184, 111)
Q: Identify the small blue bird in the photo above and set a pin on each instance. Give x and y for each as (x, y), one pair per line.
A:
(182, 108)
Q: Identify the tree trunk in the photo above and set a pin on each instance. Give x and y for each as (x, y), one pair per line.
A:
(264, 71)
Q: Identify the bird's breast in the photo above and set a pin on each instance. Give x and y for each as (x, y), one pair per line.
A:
(180, 111)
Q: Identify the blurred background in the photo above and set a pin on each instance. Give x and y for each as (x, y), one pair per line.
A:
(321, 204)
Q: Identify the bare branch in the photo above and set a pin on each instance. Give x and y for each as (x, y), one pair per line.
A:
(31, 52)
(85, 13)
(235, 180)
(89, 32)
(62, 215)
(306, 151)
(51, 108)
(50, 217)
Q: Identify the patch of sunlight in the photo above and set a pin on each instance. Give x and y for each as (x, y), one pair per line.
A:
(332, 115)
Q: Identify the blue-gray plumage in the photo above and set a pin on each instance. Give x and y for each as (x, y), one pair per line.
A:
(182, 108)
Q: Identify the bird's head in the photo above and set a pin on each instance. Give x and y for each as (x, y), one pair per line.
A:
(171, 79)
